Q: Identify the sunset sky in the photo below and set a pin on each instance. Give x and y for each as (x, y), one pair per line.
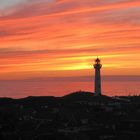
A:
(60, 38)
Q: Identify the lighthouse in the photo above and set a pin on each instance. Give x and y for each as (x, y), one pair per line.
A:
(97, 67)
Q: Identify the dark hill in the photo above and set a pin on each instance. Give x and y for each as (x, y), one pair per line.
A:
(29, 101)
(79, 115)
(79, 95)
(75, 96)
(86, 96)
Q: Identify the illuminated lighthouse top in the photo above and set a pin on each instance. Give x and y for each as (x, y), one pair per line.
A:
(97, 63)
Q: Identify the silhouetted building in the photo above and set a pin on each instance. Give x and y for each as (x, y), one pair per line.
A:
(97, 67)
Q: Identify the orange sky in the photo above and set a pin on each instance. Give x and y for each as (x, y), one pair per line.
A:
(57, 38)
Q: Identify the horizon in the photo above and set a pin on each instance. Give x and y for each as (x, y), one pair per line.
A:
(81, 78)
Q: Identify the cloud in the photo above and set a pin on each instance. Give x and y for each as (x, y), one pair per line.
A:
(54, 35)
(8, 3)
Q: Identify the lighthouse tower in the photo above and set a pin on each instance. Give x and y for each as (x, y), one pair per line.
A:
(97, 67)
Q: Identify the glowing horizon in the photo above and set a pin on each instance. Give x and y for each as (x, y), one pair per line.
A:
(57, 38)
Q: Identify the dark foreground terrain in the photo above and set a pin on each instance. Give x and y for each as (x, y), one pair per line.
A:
(78, 116)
